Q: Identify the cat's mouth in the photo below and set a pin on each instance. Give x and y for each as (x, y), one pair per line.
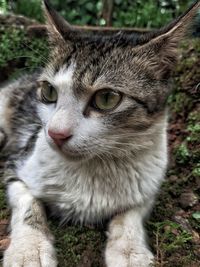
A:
(69, 152)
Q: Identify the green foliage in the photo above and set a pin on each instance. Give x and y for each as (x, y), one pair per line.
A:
(196, 215)
(196, 171)
(182, 154)
(170, 240)
(179, 101)
(3, 6)
(141, 13)
(31, 8)
(195, 220)
(77, 12)
(23, 52)
(138, 13)
(80, 12)
(170, 236)
(193, 127)
(8, 41)
(194, 132)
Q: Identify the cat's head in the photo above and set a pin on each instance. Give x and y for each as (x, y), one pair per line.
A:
(106, 95)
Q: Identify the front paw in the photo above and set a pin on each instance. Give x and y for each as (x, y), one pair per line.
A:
(30, 248)
(124, 254)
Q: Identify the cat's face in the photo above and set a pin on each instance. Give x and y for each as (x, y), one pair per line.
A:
(102, 102)
(104, 95)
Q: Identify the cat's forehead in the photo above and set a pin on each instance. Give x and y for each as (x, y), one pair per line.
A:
(94, 61)
(95, 50)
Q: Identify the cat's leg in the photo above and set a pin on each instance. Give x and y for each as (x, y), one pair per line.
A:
(126, 246)
(31, 243)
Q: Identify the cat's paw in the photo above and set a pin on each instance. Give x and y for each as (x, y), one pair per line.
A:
(118, 254)
(30, 249)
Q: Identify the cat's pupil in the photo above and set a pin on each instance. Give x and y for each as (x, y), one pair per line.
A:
(50, 91)
(106, 97)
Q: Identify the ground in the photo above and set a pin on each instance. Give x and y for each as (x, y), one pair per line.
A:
(174, 226)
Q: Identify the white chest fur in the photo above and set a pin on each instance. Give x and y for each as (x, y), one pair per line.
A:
(92, 191)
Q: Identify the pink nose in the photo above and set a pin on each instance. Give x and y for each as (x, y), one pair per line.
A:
(59, 137)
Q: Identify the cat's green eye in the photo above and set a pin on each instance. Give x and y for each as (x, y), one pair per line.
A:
(106, 99)
(48, 93)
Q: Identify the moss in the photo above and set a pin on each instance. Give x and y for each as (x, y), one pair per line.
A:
(76, 244)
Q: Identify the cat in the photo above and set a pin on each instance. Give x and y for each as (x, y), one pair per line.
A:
(87, 138)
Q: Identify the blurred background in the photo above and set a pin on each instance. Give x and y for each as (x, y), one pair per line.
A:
(117, 13)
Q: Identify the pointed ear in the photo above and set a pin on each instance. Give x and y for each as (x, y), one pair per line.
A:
(161, 49)
(57, 26)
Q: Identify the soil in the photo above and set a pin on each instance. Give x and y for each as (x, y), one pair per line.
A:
(174, 226)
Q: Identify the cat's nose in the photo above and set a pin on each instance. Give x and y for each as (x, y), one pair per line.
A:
(60, 137)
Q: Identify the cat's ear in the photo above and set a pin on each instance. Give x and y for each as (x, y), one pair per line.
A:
(161, 50)
(57, 26)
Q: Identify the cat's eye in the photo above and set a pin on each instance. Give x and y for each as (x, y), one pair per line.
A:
(48, 93)
(106, 99)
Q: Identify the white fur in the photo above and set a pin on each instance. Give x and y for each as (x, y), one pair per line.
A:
(63, 78)
(94, 190)
(29, 246)
(62, 81)
(126, 246)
